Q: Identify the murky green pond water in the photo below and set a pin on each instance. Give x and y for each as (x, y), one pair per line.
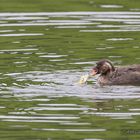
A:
(43, 55)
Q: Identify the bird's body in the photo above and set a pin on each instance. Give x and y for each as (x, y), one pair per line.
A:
(110, 75)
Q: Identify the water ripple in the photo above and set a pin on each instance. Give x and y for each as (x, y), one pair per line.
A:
(27, 34)
(72, 130)
(61, 84)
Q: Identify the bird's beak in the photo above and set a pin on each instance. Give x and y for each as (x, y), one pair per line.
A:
(93, 72)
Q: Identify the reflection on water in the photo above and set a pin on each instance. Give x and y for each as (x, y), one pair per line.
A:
(43, 55)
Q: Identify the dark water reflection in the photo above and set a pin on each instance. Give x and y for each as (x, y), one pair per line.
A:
(43, 55)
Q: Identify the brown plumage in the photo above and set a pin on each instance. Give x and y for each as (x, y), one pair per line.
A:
(110, 75)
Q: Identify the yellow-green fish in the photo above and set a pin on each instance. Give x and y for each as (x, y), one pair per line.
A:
(83, 79)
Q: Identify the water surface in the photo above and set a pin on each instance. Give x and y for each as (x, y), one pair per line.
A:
(43, 55)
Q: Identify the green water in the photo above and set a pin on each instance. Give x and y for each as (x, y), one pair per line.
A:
(67, 5)
(45, 47)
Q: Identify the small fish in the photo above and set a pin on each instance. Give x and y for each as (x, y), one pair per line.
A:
(83, 79)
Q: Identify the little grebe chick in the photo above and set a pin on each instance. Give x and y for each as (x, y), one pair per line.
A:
(110, 75)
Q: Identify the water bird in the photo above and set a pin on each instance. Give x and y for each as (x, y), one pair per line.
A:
(110, 75)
